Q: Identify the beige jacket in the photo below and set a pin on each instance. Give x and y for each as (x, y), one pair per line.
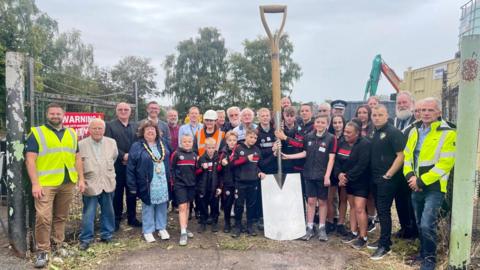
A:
(99, 172)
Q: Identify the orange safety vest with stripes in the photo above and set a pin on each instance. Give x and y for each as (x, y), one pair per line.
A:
(200, 136)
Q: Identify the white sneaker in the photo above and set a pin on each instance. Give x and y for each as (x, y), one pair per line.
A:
(164, 235)
(149, 238)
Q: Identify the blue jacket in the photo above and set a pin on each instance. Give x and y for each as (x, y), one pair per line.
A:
(140, 169)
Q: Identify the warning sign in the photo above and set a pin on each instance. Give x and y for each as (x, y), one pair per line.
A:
(79, 121)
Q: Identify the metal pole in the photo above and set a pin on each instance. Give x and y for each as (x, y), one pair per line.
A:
(465, 163)
(15, 84)
(31, 81)
(135, 86)
(275, 52)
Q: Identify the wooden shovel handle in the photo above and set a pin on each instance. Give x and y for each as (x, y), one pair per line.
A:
(273, 9)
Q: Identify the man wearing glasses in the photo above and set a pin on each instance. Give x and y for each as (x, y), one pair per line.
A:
(123, 131)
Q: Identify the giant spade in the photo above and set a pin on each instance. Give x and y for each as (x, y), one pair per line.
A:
(283, 213)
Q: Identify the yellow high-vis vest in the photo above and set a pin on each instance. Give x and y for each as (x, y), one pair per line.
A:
(437, 155)
(55, 155)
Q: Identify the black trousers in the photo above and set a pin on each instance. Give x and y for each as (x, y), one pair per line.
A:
(228, 198)
(120, 189)
(385, 194)
(404, 206)
(258, 203)
(246, 195)
(205, 203)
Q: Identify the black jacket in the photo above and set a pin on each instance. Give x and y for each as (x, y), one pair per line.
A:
(353, 161)
(318, 151)
(245, 170)
(265, 141)
(225, 173)
(124, 136)
(183, 165)
(208, 179)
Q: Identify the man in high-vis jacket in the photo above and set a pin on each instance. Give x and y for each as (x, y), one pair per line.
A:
(429, 159)
(54, 167)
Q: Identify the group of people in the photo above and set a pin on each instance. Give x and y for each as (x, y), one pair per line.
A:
(217, 165)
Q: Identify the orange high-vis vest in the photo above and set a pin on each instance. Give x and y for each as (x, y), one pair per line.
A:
(218, 135)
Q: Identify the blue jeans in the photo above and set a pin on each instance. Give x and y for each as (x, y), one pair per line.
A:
(107, 216)
(426, 206)
(154, 217)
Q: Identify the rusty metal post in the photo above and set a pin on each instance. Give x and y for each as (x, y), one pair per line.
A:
(275, 52)
(15, 85)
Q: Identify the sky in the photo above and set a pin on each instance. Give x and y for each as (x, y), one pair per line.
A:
(334, 41)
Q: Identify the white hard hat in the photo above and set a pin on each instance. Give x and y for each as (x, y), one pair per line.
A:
(210, 115)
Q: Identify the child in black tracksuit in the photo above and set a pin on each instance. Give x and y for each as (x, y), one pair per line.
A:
(268, 164)
(183, 164)
(226, 178)
(208, 186)
(319, 153)
(245, 159)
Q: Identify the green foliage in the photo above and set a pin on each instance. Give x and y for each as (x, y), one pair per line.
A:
(198, 73)
(251, 73)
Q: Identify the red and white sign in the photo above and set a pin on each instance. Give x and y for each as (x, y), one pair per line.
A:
(79, 121)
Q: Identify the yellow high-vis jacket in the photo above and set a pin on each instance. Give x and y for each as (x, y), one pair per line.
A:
(436, 158)
(55, 155)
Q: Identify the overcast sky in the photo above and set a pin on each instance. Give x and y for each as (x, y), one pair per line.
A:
(335, 41)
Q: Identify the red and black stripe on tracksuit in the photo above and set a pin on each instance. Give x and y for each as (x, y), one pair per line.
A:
(354, 160)
(183, 165)
(246, 181)
(292, 145)
(207, 184)
(227, 182)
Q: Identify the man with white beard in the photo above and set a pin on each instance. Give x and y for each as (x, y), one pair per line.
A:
(405, 105)
(404, 110)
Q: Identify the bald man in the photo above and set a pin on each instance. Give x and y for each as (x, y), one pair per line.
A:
(123, 131)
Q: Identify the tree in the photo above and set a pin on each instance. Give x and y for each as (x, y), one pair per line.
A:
(198, 73)
(130, 69)
(251, 73)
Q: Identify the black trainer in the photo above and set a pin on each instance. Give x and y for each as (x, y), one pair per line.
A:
(83, 246)
(202, 227)
(350, 237)
(371, 225)
(329, 227)
(135, 223)
(341, 230)
(380, 253)
(227, 227)
(359, 243)
(214, 227)
(251, 230)
(373, 245)
(237, 230)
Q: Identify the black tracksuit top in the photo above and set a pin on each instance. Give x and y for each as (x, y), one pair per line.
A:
(208, 179)
(225, 173)
(245, 170)
(265, 141)
(292, 145)
(183, 165)
(318, 150)
(353, 160)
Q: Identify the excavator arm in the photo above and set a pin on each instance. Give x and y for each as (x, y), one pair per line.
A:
(379, 66)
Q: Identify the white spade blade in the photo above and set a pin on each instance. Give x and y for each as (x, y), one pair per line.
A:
(283, 214)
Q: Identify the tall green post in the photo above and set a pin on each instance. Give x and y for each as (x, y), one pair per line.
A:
(465, 163)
